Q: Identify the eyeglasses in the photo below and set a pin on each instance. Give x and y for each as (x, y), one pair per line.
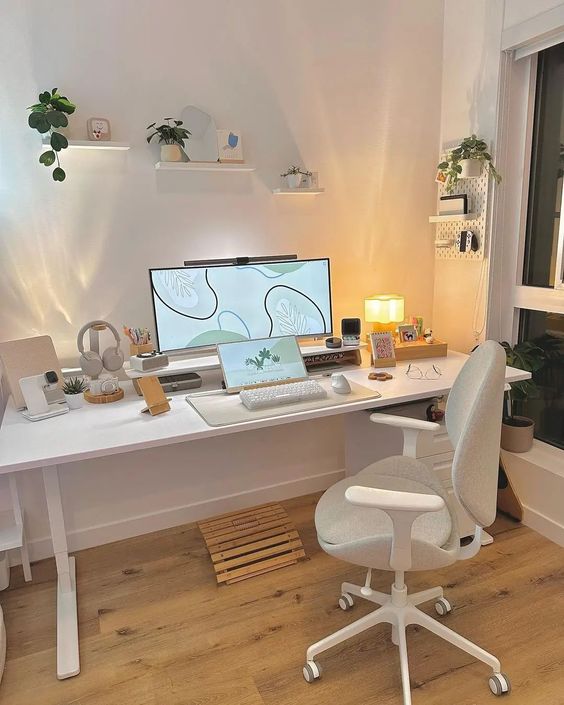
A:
(414, 372)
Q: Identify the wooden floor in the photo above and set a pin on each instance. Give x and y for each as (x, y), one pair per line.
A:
(156, 630)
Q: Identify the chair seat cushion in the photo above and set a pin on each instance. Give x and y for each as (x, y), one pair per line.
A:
(339, 522)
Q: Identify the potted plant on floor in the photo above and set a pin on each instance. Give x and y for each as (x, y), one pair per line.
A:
(73, 389)
(517, 432)
(171, 139)
(466, 161)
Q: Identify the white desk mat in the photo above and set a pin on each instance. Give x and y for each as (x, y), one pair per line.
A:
(227, 409)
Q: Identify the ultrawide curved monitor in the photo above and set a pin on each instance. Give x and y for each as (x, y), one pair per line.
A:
(197, 307)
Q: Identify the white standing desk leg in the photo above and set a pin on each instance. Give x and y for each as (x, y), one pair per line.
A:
(68, 661)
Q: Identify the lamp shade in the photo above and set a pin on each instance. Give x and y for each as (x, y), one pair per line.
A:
(384, 308)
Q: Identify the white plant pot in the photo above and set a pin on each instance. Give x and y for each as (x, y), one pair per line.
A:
(471, 168)
(294, 180)
(171, 153)
(74, 401)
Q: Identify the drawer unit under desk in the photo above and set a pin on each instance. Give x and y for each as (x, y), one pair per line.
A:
(367, 442)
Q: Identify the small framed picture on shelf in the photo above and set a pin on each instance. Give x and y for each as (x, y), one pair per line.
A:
(453, 205)
(99, 129)
(230, 146)
(382, 349)
(407, 333)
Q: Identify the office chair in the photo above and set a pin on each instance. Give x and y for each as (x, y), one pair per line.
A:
(394, 515)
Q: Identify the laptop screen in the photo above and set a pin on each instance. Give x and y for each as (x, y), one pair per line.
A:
(249, 363)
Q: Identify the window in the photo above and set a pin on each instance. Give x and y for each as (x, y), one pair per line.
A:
(543, 252)
(546, 405)
(543, 262)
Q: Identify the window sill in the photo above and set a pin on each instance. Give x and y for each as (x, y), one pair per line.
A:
(543, 455)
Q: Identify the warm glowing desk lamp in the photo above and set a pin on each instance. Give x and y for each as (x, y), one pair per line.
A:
(384, 311)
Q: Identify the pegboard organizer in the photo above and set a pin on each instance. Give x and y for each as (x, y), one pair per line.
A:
(477, 191)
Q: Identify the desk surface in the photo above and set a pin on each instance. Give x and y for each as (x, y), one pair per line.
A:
(98, 430)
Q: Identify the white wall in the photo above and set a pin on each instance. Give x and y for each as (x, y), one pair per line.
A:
(330, 85)
(517, 11)
(469, 105)
(349, 89)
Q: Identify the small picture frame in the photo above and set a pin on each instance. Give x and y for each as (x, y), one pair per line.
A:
(99, 129)
(382, 349)
(453, 205)
(230, 146)
(407, 333)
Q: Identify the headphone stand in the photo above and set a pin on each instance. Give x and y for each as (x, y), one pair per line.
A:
(94, 336)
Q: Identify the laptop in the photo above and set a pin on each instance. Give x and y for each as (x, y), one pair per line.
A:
(247, 364)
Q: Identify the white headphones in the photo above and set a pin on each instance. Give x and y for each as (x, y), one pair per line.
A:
(91, 362)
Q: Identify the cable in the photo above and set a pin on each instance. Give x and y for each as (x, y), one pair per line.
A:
(477, 332)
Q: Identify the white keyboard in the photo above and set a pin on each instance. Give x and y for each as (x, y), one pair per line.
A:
(278, 394)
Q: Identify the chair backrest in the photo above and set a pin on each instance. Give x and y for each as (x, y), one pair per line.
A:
(473, 421)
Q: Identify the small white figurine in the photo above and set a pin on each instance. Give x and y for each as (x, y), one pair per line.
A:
(428, 335)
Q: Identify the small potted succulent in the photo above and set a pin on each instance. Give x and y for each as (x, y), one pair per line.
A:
(171, 139)
(293, 176)
(517, 432)
(466, 161)
(73, 389)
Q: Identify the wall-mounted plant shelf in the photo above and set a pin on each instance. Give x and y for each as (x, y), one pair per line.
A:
(297, 191)
(90, 144)
(202, 166)
(453, 218)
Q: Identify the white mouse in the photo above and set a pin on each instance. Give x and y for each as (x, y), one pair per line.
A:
(340, 384)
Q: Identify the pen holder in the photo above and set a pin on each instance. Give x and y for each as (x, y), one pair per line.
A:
(136, 349)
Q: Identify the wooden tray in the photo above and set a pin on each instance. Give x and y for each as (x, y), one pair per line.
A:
(251, 542)
(420, 350)
(103, 398)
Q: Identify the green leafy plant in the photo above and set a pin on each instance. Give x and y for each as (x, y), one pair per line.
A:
(45, 117)
(74, 385)
(259, 360)
(276, 358)
(169, 134)
(295, 170)
(470, 148)
(524, 356)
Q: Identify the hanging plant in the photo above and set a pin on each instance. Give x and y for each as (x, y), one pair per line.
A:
(45, 117)
(471, 148)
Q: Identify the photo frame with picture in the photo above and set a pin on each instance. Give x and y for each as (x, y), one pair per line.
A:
(382, 349)
(407, 333)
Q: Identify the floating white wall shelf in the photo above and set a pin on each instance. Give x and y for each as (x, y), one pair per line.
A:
(297, 191)
(453, 218)
(90, 144)
(202, 166)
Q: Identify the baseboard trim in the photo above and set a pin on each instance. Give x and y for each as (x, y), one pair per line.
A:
(175, 516)
(544, 525)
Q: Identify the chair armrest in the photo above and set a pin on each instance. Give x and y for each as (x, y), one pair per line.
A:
(410, 427)
(392, 500)
(403, 508)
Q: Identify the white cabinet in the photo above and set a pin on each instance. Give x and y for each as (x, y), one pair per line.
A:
(367, 442)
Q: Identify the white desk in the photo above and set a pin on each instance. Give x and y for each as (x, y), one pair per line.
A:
(95, 431)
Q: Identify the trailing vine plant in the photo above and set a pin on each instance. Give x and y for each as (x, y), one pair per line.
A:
(45, 117)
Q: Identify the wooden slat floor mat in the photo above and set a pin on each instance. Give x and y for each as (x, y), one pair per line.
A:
(251, 542)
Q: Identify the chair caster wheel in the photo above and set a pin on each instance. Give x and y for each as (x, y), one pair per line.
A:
(499, 684)
(346, 602)
(443, 606)
(311, 671)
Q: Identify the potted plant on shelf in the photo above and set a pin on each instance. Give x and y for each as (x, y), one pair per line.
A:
(171, 139)
(73, 389)
(46, 117)
(466, 161)
(293, 176)
(517, 432)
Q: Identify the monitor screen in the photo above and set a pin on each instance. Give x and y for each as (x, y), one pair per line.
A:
(251, 362)
(201, 306)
